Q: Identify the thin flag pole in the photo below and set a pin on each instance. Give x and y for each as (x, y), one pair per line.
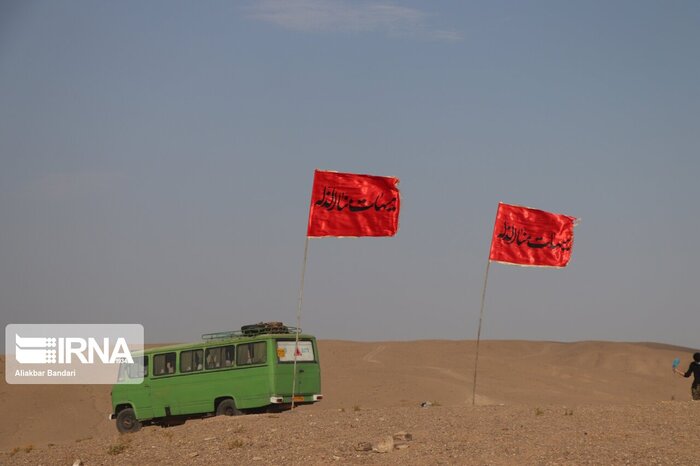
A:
(300, 300)
(478, 333)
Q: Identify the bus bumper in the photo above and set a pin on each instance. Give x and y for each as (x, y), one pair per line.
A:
(297, 399)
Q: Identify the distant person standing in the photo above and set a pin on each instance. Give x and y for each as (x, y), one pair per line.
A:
(694, 370)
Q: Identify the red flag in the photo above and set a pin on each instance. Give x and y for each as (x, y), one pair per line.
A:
(534, 237)
(346, 204)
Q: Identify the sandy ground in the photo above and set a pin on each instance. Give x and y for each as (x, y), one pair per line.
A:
(537, 403)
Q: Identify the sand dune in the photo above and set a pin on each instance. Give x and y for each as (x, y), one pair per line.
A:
(387, 374)
(361, 376)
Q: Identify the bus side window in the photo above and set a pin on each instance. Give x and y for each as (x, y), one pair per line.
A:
(164, 364)
(191, 361)
(229, 355)
(221, 356)
(139, 368)
(212, 359)
(170, 363)
(159, 364)
(135, 370)
(252, 353)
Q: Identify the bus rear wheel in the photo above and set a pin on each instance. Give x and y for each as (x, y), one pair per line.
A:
(227, 408)
(127, 422)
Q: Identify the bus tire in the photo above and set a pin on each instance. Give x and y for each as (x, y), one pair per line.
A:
(127, 422)
(227, 408)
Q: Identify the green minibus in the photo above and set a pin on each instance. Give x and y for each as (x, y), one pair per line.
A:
(226, 374)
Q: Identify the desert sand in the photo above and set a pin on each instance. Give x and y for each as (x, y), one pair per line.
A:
(536, 403)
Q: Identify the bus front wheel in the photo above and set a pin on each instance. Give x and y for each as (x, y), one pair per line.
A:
(127, 422)
(227, 408)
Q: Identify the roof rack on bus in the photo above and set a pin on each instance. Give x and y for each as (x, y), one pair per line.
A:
(262, 328)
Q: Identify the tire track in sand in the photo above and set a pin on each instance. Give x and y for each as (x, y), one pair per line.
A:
(369, 357)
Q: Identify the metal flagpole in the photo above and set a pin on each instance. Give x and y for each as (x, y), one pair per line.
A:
(299, 303)
(478, 334)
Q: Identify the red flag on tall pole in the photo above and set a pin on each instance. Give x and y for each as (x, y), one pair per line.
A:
(525, 236)
(347, 204)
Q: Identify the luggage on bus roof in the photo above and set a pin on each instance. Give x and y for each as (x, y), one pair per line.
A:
(264, 327)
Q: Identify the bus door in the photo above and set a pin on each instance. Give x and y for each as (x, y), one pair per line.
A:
(138, 394)
(162, 386)
(145, 402)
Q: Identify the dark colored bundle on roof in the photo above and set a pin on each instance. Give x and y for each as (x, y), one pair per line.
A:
(263, 328)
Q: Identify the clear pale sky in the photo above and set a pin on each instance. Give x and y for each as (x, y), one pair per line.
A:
(156, 161)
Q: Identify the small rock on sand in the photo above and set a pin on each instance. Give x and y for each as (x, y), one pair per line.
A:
(385, 445)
